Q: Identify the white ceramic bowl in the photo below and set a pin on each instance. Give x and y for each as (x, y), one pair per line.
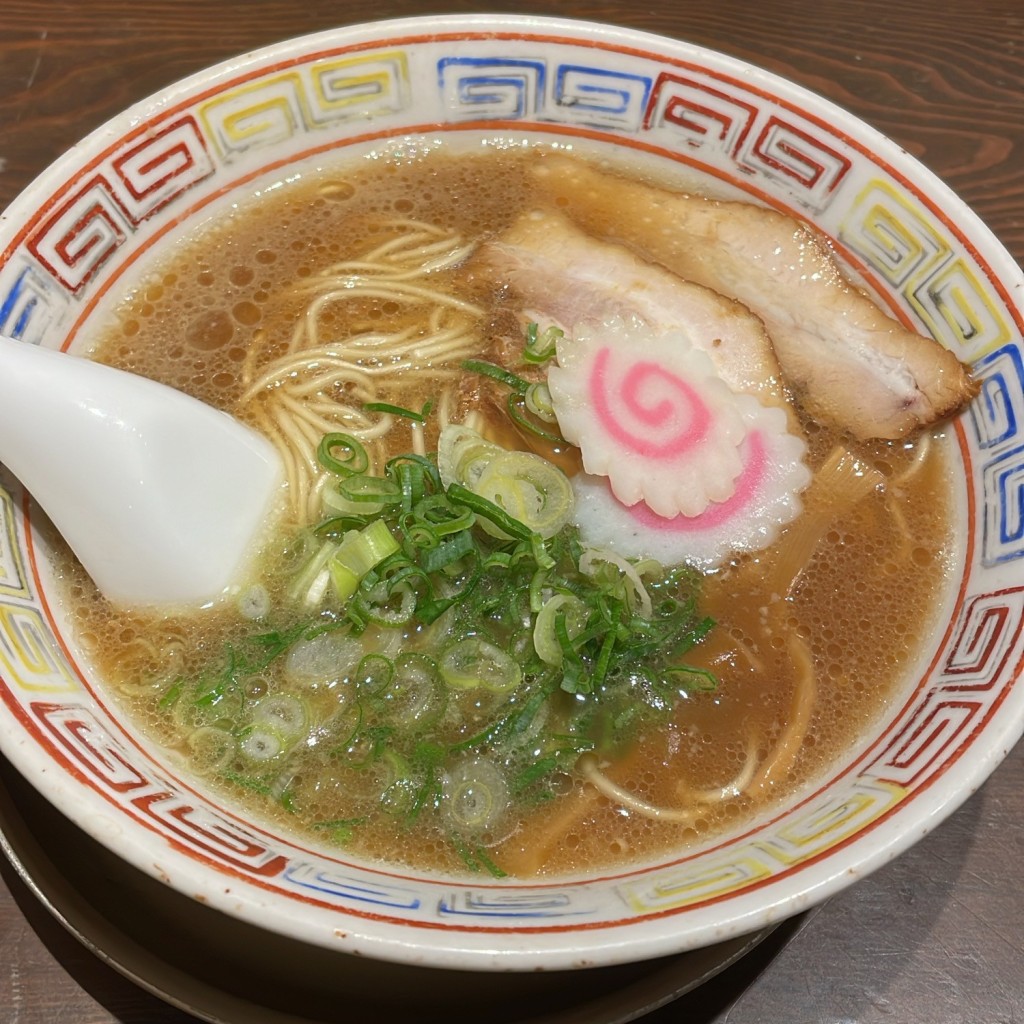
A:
(72, 240)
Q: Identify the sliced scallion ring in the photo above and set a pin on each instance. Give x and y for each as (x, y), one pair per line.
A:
(262, 743)
(352, 460)
(538, 401)
(364, 488)
(463, 454)
(358, 553)
(475, 795)
(211, 749)
(519, 413)
(286, 714)
(415, 694)
(373, 674)
(474, 662)
(389, 606)
(254, 602)
(540, 348)
(545, 635)
(530, 489)
(338, 506)
(343, 727)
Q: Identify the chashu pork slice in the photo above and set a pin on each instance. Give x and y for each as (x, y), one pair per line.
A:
(561, 273)
(853, 365)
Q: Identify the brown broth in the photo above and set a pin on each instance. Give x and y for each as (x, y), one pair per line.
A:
(862, 605)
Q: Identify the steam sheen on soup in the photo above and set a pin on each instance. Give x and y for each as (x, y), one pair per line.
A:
(348, 302)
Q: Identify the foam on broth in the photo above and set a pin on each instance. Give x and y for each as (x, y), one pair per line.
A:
(871, 591)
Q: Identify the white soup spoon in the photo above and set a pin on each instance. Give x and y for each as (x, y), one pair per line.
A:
(161, 497)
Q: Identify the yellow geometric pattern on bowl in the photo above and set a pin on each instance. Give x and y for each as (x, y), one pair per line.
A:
(834, 821)
(13, 578)
(29, 656)
(904, 244)
(969, 316)
(824, 826)
(276, 107)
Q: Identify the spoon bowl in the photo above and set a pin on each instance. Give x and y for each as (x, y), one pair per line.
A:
(163, 498)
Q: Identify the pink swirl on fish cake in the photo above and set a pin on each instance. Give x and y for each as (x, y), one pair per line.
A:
(651, 413)
(766, 498)
(660, 414)
(748, 489)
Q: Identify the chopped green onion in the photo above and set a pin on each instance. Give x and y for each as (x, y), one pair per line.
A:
(248, 782)
(476, 859)
(343, 727)
(341, 829)
(701, 679)
(425, 469)
(441, 516)
(363, 488)
(354, 461)
(397, 410)
(262, 743)
(535, 772)
(532, 490)
(311, 582)
(516, 405)
(334, 528)
(473, 553)
(171, 694)
(475, 795)
(498, 373)
(545, 640)
(285, 714)
(357, 554)
(254, 602)
(462, 455)
(491, 512)
(374, 673)
(473, 662)
(379, 605)
(212, 749)
(448, 552)
(415, 696)
(538, 401)
(574, 674)
(540, 348)
(604, 658)
(337, 506)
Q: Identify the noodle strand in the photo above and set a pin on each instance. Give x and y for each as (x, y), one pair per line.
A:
(318, 386)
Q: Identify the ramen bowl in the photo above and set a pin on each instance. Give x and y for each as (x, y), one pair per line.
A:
(70, 246)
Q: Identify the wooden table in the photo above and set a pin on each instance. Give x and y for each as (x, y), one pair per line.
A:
(935, 938)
